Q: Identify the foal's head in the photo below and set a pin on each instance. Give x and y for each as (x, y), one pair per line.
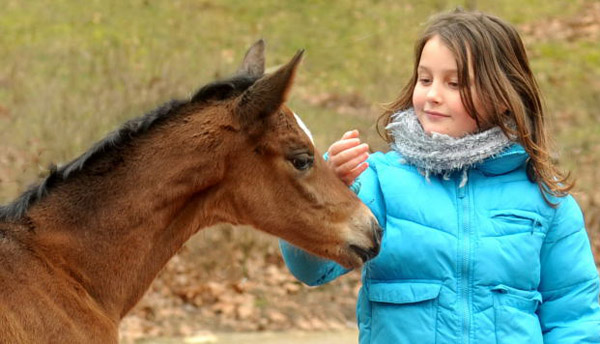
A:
(233, 153)
(275, 180)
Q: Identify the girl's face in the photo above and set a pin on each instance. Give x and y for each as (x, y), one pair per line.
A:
(436, 97)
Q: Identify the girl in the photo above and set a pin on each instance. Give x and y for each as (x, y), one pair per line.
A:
(482, 242)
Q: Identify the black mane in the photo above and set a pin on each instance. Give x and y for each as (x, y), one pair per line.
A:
(122, 137)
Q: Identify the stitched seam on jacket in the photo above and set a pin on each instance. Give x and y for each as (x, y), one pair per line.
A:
(548, 233)
(595, 278)
(564, 237)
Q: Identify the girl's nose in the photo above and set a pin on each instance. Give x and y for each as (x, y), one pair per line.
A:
(433, 94)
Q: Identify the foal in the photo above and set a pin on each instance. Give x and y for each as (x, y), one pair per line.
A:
(79, 250)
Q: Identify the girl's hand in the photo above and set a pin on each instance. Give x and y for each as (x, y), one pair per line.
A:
(347, 157)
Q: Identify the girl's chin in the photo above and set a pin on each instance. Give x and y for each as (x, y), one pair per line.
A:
(438, 128)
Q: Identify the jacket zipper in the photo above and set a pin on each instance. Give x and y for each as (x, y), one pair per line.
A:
(465, 262)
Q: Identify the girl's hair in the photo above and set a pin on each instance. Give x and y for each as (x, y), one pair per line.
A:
(509, 96)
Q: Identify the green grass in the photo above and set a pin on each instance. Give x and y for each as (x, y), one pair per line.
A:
(70, 71)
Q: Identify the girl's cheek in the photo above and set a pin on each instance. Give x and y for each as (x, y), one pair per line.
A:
(417, 99)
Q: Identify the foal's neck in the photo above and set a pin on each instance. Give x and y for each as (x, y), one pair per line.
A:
(119, 229)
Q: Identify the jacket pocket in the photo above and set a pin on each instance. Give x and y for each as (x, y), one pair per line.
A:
(404, 312)
(516, 320)
(510, 222)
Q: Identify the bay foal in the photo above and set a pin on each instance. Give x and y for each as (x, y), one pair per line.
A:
(79, 250)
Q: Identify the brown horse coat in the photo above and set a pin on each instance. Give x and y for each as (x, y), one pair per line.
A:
(79, 250)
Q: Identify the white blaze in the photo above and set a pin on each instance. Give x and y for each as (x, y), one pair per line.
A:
(304, 127)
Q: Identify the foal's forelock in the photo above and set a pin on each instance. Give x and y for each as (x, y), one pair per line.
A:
(113, 143)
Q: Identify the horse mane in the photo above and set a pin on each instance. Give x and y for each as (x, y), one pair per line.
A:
(122, 137)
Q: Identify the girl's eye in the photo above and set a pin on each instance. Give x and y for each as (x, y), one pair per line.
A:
(453, 84)
(425, 81)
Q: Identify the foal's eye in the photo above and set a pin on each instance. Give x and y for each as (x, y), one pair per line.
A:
(302, 161)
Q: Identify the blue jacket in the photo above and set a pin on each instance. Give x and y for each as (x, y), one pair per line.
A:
(489, 262)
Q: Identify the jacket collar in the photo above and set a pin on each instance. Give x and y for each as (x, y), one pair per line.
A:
(506, 161)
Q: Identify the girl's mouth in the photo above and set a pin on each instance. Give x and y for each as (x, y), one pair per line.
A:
(435, 115)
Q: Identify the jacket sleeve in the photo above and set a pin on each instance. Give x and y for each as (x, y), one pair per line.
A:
(570, 312)
(314, 270)
(309, 269)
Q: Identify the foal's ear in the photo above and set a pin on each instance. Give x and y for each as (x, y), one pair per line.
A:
(267, 94)
(254, 61)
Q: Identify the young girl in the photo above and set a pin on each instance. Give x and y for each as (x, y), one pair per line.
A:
(482, 243)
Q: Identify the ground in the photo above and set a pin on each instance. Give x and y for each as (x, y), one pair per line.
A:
(268, 337)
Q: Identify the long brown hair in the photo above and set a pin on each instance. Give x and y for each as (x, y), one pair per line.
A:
(508, 93)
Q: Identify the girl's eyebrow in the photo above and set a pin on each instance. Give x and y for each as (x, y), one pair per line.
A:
(445, 71)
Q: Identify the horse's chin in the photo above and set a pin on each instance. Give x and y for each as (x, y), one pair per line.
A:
(363, 248)
(356, 256)
(352, 261)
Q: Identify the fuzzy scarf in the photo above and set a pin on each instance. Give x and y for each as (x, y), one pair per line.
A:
(440, 154)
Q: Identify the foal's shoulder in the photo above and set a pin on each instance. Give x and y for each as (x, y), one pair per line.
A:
(12, 238)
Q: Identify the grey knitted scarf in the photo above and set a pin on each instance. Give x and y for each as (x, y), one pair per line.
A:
(441, 154)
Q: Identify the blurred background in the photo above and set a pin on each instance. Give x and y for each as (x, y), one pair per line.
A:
(71, 71)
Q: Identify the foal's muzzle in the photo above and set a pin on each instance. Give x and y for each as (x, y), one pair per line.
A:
(369, 253)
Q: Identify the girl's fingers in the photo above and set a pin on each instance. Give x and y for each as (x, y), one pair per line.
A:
(342, 145)
(350, 165)
(350, 177)
(348, 155)
(349, 139)
(350, 134)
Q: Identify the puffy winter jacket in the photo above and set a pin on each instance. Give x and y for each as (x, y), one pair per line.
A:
(489, 262)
